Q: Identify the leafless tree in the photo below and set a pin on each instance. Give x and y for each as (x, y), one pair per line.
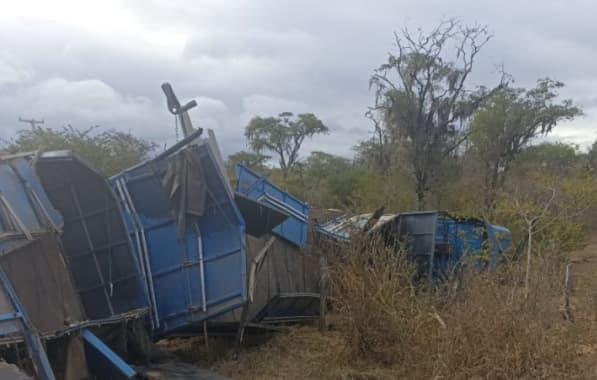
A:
(421, 92)
(540, 206)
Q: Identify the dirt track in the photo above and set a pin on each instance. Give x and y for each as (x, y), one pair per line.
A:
(584, 282)
(583, 300)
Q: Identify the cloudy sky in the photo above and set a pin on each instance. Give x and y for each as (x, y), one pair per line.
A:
(101, 63)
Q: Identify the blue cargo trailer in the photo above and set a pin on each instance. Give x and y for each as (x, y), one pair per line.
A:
(96, 245)
(185, 227)
(39, 306)
(465, 240)
(441, 243)
(438, 242)
(26, 210)
(258, 187)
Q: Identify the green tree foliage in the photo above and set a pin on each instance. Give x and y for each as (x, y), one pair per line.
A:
(108, 151)
(283, 136)
(423, 98)
(330, 175)
(372, 154)
(549, 207)
(254, 161)
(509, 122)
(556, 159)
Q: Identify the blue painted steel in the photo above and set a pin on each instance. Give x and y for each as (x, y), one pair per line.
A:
(438, 242)
(468, 240)
(256, 186)
(500, 239)
(31, 338)
(24, 206)
(457, 240)
(9, 317)
(103, 361)
(200, 276)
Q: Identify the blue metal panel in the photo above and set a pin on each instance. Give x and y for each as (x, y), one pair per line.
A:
(439, 242)
(500, 240)
(31, 338)
(461, 240)
(36, 191)
(200, 276)
(23, 201)
(417, 231)
(457, 240)
(256, 186)
(103, 361)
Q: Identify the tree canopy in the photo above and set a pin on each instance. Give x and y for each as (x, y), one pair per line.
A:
(283, 136)
(509, 121)
(108, 151)
(423, 98)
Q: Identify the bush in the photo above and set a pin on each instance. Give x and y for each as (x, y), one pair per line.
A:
(376, 303)
(476, 326)
(480, 326)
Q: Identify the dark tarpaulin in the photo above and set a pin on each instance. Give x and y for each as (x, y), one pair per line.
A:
(95, 242)
(67, 355)
(42, 283)
(76, 363)
(259, 218)
(184, 182)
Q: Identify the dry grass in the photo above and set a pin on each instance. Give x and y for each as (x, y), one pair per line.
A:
(386, 328)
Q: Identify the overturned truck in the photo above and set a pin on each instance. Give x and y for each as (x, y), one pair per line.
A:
(283, 273)
(47, 329)
(92, 268)
(439, 243)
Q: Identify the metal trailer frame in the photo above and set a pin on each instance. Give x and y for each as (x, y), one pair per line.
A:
(258, 187)
(438, 242)
(31, 338)
(202, 276)
(96, 245)
(27, 217)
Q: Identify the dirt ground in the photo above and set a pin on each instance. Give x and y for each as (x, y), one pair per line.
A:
(583, 301)
(584, 281)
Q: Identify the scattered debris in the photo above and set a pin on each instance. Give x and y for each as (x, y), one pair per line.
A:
(92, 269)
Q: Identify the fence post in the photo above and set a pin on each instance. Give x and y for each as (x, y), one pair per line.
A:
(567, 279)
(323, 290)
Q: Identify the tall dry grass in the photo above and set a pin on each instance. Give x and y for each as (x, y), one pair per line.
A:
(478, 325)
(385, 327)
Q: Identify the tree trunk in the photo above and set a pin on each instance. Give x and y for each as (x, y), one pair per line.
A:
(420, 191)
(420, 200)
(491, 186)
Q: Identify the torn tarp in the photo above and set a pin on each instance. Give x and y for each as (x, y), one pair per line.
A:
(184, 182)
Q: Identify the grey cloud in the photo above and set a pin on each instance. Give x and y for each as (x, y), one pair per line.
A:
(249, 57)
(259, 43)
